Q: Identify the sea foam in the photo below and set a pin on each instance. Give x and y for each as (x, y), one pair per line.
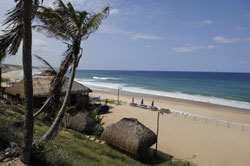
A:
(208, 99)
(105, 78)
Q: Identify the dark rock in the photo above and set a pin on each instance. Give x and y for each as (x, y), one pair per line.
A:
(2, 157)
(82, 122)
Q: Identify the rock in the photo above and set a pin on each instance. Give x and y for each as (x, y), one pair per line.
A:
(2, 157)
(92, 139)
(102, 142)
(82, 122)
(7, 154)
(12, 151)
(87, 136)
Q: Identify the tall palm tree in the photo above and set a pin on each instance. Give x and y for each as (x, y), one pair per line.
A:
(71, 26)
(28, 86)
(18, 28)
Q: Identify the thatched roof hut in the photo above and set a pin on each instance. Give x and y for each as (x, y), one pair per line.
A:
(41, 87)
(130, 136)
(79, 96)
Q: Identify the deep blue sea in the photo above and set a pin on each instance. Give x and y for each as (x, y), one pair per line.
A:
(230, 89)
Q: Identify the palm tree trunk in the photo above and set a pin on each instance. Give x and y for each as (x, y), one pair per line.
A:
(53, 128)
(43, 108)
(28, 88)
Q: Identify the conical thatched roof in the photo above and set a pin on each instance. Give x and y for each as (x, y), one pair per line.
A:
(41, 86)
(129, 135)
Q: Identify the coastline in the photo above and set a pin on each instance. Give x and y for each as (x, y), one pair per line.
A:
(209, 110)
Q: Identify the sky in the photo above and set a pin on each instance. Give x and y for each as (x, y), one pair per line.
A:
(163, 35)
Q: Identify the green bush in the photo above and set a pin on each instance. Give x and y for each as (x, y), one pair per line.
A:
(38, 155)
(98, 129)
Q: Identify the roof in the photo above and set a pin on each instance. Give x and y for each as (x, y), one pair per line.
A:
(41, 87)
(129, 135)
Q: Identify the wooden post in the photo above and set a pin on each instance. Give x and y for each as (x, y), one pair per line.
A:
(157, 133)
(118, 95)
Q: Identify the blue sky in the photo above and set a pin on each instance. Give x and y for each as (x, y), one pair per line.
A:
(168, 35)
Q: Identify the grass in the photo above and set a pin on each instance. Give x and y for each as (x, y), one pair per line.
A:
(72, 148)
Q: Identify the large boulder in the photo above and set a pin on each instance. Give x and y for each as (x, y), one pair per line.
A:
(82, 122)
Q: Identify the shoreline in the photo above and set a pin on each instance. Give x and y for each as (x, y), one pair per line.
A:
(196, 108)
(170, 99)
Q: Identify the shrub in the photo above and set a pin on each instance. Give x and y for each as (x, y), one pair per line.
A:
(98, 128)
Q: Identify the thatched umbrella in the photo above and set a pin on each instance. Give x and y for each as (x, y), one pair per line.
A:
(129, 135)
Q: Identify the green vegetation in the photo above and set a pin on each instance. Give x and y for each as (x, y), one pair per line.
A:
(111, 101)
(72, 148)
(98, 129)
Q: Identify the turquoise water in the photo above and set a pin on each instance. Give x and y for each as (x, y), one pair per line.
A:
(231, 89)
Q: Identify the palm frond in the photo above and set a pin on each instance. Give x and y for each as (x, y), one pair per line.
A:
(2, 56)
(46, 63)
(10, 40)
(94, 22)
(58, 20)
(14, 16)
(50, 32)
(13, 33)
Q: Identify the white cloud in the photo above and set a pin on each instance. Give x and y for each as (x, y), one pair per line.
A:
(239, 28)
(192, 48)
(114, 11)
(205, 22)
(146, 37)
(220, 39)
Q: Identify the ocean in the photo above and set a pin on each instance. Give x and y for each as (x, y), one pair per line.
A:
(229, 89)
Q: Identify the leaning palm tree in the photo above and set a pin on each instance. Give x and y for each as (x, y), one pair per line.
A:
(71, 26)
(18, 28)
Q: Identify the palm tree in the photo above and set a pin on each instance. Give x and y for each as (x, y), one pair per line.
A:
(19, 29)
(28, 86)
(72, 26)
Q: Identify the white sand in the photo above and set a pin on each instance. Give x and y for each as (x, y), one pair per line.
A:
(12, 75)
(205, 144)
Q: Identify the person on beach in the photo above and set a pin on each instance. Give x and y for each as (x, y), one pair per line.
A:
(153, 103)
(141, 101)
(133, 100)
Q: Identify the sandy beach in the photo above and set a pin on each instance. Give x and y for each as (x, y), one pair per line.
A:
(216, 141)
